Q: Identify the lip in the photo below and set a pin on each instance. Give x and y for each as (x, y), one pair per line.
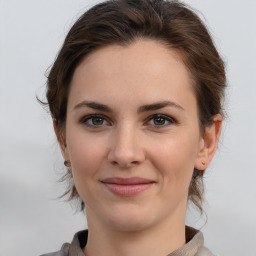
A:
(127, 186)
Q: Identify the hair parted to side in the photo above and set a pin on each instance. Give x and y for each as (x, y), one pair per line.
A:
(122, 22)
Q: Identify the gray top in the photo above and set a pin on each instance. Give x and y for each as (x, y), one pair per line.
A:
(193, 247)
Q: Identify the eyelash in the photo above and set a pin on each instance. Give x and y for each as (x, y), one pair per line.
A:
(85, 120)
(163, 117)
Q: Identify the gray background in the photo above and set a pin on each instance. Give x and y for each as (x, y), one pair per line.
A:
(32, 219)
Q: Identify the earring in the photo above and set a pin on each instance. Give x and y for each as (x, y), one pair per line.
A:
(203, 163)
(67, 163)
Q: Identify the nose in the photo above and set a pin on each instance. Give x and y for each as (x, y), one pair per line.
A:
(126, 150)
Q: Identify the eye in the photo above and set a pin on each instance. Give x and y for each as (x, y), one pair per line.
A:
(94, 121)
(160, 120)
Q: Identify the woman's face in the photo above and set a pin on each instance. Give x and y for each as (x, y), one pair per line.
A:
(132, 135)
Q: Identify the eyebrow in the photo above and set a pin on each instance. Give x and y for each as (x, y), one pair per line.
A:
(159, 105)
(94, 105)
(141, 109)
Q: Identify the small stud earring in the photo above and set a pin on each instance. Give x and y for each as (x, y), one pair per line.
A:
(67, 163)
(203, 163)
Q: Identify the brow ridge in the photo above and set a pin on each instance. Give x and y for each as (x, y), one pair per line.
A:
(141, 109)
(159, 105)
(93, 105)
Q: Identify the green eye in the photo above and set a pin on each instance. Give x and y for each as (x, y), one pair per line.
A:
(94, 121)
(97, 121)
(159, 121)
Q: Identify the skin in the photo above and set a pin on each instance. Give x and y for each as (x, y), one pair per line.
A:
(129, 141)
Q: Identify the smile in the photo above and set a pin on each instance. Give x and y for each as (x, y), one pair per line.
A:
(127, 186)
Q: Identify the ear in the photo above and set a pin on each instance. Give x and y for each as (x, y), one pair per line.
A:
(209, 143)
(61, 140)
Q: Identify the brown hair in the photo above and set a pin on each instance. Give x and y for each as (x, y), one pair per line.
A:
(122, 22)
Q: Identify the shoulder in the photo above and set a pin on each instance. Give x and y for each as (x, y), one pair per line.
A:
(196, 242)
(64, 251)
(203, 251)
(74, 248)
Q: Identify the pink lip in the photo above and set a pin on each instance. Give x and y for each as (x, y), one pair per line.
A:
(127, 186)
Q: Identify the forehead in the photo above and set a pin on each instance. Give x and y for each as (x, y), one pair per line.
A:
(145, 68)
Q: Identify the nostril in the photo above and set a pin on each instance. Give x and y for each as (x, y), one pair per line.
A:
(125, 156)
(124, 164)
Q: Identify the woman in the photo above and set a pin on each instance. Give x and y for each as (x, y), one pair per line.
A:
(135, 95)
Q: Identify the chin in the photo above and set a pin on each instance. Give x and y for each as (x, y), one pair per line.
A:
(129, 224)
(129, 219)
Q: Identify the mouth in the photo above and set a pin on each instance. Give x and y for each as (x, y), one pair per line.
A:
(127, 186)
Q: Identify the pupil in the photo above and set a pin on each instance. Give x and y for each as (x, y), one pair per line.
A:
(97, 121)
(159, 121)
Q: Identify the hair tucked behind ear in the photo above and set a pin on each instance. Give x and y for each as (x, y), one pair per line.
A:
(124, 21)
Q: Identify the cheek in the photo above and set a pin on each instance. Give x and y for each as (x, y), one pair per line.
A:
(175, 159)
(87, 153)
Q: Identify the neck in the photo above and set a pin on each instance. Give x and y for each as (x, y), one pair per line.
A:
(160, 239)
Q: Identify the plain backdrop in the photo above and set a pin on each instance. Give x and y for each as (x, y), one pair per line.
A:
(32, 218)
